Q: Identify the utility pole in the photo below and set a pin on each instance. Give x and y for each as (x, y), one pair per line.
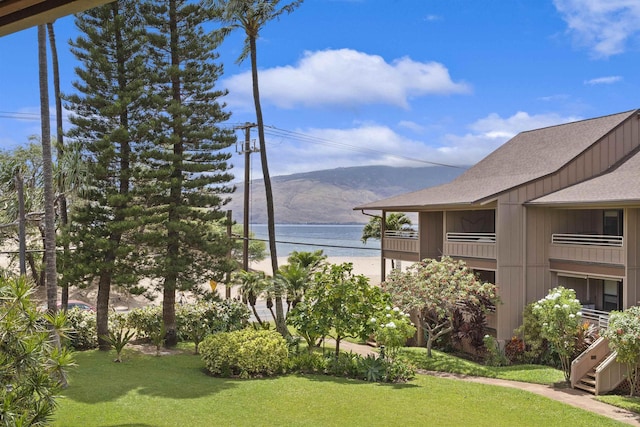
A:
(21, 222)
(246, 150)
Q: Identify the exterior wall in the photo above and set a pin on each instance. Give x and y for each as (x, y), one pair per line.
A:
(431, 234)
(632, 245)
(523, 274)
(471, 221)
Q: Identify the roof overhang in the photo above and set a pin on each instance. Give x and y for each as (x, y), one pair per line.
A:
(17, 15)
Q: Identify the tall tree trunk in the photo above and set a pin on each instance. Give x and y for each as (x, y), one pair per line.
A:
(22, 233)
(102, 309)
(271, 227)
(47, 168)
(173, 238)
(62, 199)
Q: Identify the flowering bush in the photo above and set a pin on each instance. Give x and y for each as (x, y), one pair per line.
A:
(624, 338)
(83, 334)
(493, 354)
(560, 318)
(392, 329)
(146, 321)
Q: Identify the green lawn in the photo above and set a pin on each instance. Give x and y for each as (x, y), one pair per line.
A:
(174, 391)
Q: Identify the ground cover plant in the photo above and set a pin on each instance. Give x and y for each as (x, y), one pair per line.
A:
(177, 384)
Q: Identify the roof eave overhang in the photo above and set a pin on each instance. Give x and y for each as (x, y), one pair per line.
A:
(18, 15)
(585, 204)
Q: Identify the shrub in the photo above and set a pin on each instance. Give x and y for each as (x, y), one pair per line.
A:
(560, 316)
(344, 365)
(514, 350)
(392, 329)
(308, 363)
(398, 370)
(493, 354)
(245, 353)
(146, 321)
(624, 338)
(196, 321)
(83, 334)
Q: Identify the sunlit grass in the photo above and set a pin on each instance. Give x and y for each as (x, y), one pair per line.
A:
(444, 362)
(174, 391)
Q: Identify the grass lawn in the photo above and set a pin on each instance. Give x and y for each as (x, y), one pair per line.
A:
(443, 362)
(175, 391)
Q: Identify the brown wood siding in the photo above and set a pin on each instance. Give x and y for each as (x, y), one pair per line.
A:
(431, 234)
(632, 243)
(402, 256)
(469, 249)
(588, 269)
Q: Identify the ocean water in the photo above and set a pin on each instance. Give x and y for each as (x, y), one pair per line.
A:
(334, 240)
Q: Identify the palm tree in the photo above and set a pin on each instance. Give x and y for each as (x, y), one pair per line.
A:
(62, 199)
(252, 285)
(252, 16)
(394, 222)
(47, 168)
(294, 278)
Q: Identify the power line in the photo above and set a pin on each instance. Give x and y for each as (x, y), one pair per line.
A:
(312, 244)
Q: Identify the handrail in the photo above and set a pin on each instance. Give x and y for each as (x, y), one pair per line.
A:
(587, 239)
(471, 237)
(401, 234)
(599, 316)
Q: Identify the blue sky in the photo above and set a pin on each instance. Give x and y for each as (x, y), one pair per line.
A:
(397, 82)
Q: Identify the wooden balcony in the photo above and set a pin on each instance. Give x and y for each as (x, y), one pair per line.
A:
(470, 245)
(401, 244)
(587, 248)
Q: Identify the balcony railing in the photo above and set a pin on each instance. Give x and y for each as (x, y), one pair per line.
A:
(401, 234)
(471, 237)
(597, 317)
(587, 240)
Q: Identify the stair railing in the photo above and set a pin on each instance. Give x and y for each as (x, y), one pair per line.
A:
(588, 360)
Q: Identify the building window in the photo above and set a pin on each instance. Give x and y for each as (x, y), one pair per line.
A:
(612, 298)
(612, 223)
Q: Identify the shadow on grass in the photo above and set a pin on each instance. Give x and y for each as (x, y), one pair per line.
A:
(96, 378)
(321, 378)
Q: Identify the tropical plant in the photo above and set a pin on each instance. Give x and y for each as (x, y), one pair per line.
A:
(119, 335)
(392, 330)
(435, 290)
(32, 369)
(252, 285)
(251, 16)
(338, 304)
(623, 334)
(560, 316)
(393, 222)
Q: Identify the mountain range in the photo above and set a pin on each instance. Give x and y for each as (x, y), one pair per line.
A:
(329, 196)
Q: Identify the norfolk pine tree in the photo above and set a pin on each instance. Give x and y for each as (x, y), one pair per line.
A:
(186, 179)
(106, 120)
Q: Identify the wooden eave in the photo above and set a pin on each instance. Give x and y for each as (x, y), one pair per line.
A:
(17, 15)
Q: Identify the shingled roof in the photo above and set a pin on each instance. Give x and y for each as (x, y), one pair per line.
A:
(620, 186)
(527, 156)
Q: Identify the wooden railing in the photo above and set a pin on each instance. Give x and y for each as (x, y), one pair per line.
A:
(401, 234)
(597, 317)
(587, 239)
(471, 237)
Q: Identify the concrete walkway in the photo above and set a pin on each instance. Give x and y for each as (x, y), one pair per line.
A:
(578, 398)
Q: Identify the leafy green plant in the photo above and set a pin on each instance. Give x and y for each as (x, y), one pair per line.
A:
(119, 335)
(398, 370)
(344, 365)
(623, 334)
(83, 334)
(494, 355)
(245, 353)
(392, 329)
(32, 369)
(308, 363)
(372, 368)
(560, 316)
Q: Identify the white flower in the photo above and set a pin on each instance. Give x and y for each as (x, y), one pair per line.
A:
(373, 320)
(579, 313)
(390, 325)
(565, 306)
(557, 306)
(387, 308)
(545, 324)
(388, 315)
(537, 307)
(396, 309)
(407, 315)
(571, 316)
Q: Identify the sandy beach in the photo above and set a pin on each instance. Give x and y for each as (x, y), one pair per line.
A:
(367, 266)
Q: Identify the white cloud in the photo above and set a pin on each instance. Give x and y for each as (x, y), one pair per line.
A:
(433, 18)
(603, 80)
(375, 144)
(345, 77)
(604, 26)
(412, 126)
